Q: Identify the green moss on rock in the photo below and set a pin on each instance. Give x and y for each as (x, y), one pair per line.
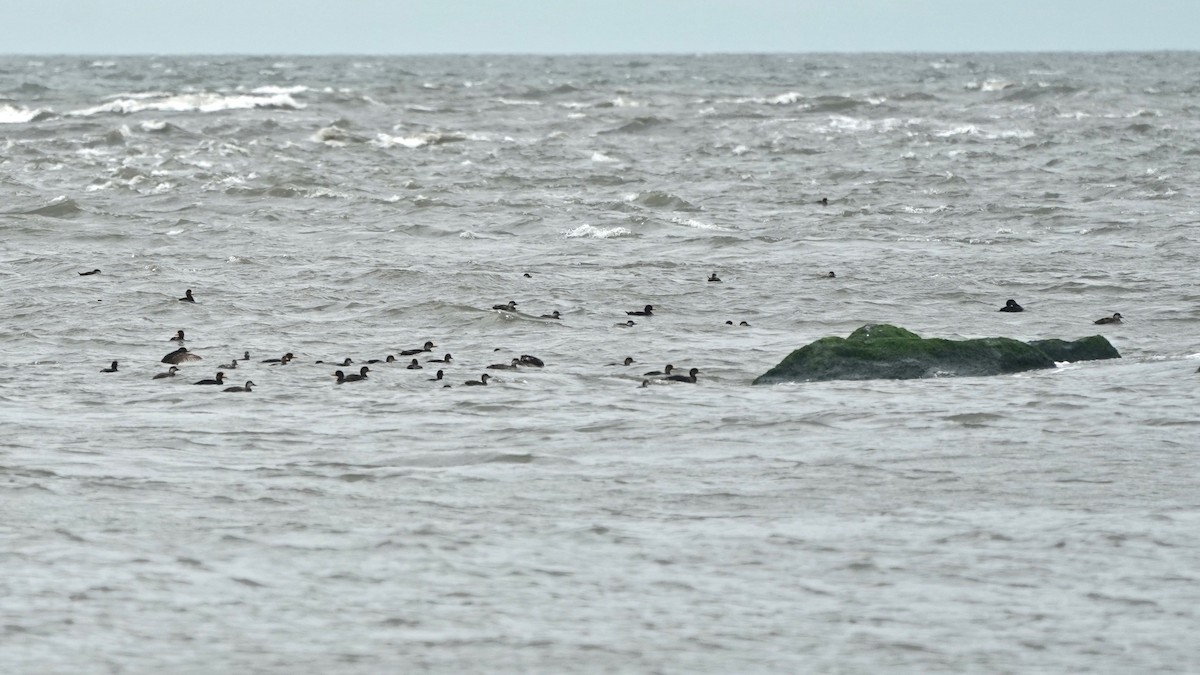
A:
(888, 352)
(1091, 348)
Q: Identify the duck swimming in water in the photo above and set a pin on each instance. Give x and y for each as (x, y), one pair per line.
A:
(690, 377)
(283, 359)
(245, 387)
(506, 366)
(110, 369)
(437, 377)
(478, 383)
(428, 347)
(187, 297)
(552, 315)
(445, 359)
(88, 274)
(510, 307)
(389, 359)
(663, 373)
(343, 364)
(713, 277)
(626, 324)
(362, 375)
(178, 337)
(220, 379)
(647, 311)
(170, 373)
(181, 355)
(1012, 306)
(530, 360)
(415, 365)
(232, 365)
(627, 362)
(1115, 318)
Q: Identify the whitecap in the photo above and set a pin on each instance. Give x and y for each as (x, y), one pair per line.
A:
(963, 130)
(590, 232)
(12, 115)
(420, 140)
(598, 156)
(996, 85)
(692, 222)
(205, 102)
(271, 89)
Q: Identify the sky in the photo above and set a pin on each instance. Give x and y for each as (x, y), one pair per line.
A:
(593, 26)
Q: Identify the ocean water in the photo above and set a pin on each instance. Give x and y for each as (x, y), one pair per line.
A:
(564, 519)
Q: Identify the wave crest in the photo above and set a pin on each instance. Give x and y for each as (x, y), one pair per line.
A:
(205, 102)
(590, 232)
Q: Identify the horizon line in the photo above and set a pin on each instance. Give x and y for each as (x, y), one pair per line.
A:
(614, 53)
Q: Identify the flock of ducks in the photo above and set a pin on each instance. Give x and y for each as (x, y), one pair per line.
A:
(1012, 306)
(182, 355)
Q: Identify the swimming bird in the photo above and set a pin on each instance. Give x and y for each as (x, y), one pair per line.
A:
(1012, 306)
(628, 361)
(415, 365)
(824, 201)
(627, 324)
(178, 337)
(245, 356)
(88, 274)
(187, 297)
(110, 369)
(664, 372)
(713, 277)
(552, 315)
(446, 359)
(220, 379)
(344, 363)
(428, 347)
(389, 359)
(648, 311)
(743, 323)
(527, 275)
(181, 355)
(438, 377)
(510, 307)
(505, 366)
(242, 388)
(645, 383)
(362, 375)
(528, 360)
(286, 357)
(690, 377)
(831, 275)
(232, 365)
(1115, 318)
(478, 383)
(170, 373)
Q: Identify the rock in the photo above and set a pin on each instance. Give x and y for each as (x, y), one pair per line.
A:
(1091, 348)
(889, 352)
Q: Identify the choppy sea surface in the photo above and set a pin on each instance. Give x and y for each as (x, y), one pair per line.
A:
(564, 519)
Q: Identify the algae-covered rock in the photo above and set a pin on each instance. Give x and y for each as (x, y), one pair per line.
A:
(889, 352)
(1091, 348)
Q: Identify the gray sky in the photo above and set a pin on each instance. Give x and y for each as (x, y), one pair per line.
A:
(592, 26)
